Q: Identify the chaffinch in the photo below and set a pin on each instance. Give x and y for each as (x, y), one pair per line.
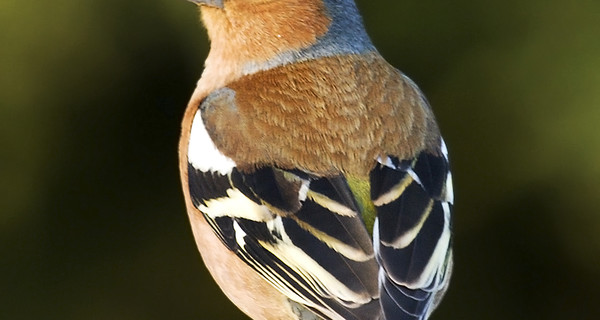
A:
(315, 178)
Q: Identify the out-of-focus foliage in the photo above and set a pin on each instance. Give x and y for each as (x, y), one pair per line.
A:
(92, 223)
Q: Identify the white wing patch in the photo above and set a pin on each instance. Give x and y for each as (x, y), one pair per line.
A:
(394, 192)
(202, 152)
(236, 205)
(331, 205)
(436, 263)
(444, 148)
(449, 192)
(387, 162)
(323, 281)
(405, 239)
(449, 196)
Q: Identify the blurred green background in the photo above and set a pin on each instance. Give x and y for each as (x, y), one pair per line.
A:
(92, 222)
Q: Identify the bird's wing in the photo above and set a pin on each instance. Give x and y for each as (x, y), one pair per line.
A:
(412, 232)
(301, 232)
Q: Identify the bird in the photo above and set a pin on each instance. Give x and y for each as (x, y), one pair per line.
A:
(315, 177)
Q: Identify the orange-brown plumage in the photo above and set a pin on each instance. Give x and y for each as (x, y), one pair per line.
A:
(254, 31)
(324, 116)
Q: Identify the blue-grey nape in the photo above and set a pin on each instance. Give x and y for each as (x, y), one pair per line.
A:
(346, 35)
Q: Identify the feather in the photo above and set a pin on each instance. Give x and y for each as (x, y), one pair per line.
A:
(319, 257)
(412, 234)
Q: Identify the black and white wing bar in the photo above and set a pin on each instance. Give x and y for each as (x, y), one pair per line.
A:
(412, 232)
(300, 232)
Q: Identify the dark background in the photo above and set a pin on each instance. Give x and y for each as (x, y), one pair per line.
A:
(92, 222)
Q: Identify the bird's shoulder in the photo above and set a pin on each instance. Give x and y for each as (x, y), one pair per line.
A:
(330, 114)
